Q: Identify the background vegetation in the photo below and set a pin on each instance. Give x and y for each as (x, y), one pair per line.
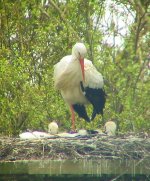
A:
(34, 35)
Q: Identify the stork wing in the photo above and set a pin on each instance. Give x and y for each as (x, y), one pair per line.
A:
(96, 97)
(62, 73)
(93, 78)
(93, 89)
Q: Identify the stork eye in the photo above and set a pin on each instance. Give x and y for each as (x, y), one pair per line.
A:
(79, 54)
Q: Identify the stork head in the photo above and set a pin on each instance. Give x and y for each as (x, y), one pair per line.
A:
(79, 52)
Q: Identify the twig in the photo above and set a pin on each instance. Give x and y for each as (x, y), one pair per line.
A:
(63, 18)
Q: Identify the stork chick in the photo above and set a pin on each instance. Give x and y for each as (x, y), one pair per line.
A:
(53, 128)
(110, 128)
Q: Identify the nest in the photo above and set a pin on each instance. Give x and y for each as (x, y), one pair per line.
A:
(93, 147)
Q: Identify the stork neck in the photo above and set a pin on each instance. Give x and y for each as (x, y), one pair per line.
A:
(75, 58)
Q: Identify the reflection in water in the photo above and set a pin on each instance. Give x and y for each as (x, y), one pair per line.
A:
(73, 178)
(75, 170)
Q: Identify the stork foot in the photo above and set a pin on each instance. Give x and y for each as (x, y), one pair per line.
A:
(72, 131)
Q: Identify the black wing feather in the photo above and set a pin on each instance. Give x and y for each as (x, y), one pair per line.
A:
(80, 109)
(96, 97)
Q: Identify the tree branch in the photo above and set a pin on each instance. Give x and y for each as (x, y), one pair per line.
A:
(64, 19)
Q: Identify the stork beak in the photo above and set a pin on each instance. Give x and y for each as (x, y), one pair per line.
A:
(82, 68)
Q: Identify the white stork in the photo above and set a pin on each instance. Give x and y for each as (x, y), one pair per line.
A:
(80, 83)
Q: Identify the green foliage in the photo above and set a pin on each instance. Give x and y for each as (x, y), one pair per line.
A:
(37, 34)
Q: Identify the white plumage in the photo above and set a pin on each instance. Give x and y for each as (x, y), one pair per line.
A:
(110, 128)
(73, 69)
(53, 128)
(34, 135)
(67, 77)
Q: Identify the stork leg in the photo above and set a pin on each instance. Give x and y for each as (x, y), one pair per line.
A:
(72, 117)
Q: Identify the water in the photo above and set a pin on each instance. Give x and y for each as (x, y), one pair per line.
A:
(95, 170)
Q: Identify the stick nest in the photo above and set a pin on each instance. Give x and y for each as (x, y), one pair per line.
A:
(92, 147)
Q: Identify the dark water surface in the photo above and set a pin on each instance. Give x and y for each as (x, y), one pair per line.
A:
(72, 170)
